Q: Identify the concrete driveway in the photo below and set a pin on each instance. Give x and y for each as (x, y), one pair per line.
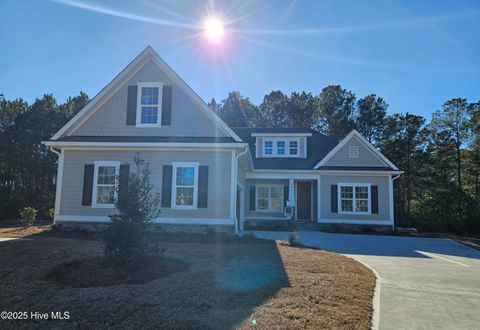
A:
(425, 283)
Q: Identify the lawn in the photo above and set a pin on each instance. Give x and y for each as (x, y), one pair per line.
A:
(224, 283)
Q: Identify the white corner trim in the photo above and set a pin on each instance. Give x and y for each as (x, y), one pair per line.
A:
(59, 182)
(143, 58)
(138, 110)
(390, 202)
(367, 144)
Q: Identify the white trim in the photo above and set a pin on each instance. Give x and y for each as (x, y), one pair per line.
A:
(164, 220)
(354, 185)
(369, 146)
(311, 174)
(232, 185)
(356, 221)
(143, 144)
(390, 202)
(59, 182)
(174, 205)
(319, 200)
(269, 186)
(281, 134)
(261, 218)
(95, 183)
(275, 154)
(138, 111)
(141, 60)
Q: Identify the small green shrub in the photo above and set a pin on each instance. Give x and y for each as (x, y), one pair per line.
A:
(51, 213)
(28, 216)
(127, 243)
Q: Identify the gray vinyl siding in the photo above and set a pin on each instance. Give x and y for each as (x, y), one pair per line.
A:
(219, 177)
(187, 119)
(383, 197)
(365, 156)
(260, 214)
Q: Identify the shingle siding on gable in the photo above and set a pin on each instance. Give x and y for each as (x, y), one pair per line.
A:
(186, 118)
(365, 156)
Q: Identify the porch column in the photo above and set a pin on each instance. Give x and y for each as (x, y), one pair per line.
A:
(291, 193)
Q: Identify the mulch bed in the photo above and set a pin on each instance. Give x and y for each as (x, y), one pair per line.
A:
(97, 272)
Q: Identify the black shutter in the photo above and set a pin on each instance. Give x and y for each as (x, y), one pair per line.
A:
(167, 186)
(132, 105)
(202, 186)
(374, 191)
(334, 198)
(123, 182)
(166, 105)
(87, 185)
(285, 195)
(252, 198)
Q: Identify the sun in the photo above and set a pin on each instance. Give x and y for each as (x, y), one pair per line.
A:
(213, 29)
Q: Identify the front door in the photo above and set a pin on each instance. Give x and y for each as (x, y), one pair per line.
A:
(304, 200)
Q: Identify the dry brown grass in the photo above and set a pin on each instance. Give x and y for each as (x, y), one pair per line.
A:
(315, 289)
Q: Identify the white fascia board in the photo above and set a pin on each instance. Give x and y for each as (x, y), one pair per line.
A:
(295, 174)
(143, 144)
(281, 134)
(367, 144)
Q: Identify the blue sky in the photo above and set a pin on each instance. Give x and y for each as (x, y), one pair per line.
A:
(415, 54)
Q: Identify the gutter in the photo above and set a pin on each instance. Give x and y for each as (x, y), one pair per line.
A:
(237, 157)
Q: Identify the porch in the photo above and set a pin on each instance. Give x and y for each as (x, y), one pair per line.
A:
(281, 203)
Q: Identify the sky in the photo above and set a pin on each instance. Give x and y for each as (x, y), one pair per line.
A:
(414, 54)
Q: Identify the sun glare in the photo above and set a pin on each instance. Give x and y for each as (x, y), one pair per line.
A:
(214, 29)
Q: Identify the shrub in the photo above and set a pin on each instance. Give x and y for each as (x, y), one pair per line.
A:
(127, 243)
(28, 216)
(51, 213)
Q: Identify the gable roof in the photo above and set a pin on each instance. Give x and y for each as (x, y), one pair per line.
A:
(367, 144)
(147, 55)
(318, 145)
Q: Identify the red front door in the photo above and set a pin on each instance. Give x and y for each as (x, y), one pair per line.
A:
(304, 200)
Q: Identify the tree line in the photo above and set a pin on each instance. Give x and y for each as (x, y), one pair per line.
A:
(440, 189)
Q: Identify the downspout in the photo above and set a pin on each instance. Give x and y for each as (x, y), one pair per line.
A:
(237, 157)
(52, 149)
(393, 198)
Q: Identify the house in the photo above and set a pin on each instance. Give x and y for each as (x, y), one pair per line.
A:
(207, 172)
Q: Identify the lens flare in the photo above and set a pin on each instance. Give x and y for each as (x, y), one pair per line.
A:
(214, 30)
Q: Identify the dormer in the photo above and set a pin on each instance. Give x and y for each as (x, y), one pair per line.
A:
(281, 145)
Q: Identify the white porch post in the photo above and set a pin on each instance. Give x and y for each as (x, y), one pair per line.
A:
(291, 192)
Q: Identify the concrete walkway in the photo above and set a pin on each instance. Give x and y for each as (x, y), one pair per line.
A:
(426, 283)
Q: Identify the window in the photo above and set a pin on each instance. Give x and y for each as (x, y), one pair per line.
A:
(354, 198)
(269, 198)
(353, 152)
(293, 148)
(105, 184)
(185, 185)
(278, 147)
(268, 148)
(149, 100)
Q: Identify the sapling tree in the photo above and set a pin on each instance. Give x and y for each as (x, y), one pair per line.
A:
(127, 244)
